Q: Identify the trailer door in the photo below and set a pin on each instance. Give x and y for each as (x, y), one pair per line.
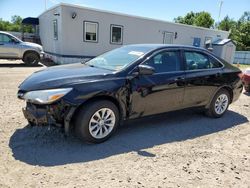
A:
(168, 37)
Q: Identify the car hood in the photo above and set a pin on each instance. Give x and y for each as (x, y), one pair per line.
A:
(63, 76)
(33, 45)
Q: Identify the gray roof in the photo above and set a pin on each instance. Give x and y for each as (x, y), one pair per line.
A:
(222, 42)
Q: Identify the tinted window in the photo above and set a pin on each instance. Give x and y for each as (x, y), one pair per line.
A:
(5, 38)
(214, 63)
(196, 60)
(166, 61)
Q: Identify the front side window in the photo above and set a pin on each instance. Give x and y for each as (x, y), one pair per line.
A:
(196, 60)
(55, 27)
(5, 38)
(116, 34)
(90, 31)
(166, 61)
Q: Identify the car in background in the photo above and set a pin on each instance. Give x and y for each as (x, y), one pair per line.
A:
(13, 48)
(129, 82)
(246, 79)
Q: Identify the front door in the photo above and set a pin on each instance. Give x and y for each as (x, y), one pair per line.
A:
(164, 90)
(168, 38)
(8, 47)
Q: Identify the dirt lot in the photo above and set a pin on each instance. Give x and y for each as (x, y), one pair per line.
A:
(180, 149)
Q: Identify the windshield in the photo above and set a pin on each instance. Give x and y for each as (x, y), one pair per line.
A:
(119, 58)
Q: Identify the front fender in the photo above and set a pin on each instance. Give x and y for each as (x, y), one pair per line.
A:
(116, 90)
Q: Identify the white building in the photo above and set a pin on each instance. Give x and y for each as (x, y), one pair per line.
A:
(70, 32)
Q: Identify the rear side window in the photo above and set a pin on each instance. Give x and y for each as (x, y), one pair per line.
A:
(166, 61)
(197, 60)
(214, 63)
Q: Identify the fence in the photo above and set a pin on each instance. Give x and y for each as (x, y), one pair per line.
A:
(243, 57)
(27, 37)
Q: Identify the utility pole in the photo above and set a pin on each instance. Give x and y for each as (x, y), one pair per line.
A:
(45, 4)
(220, 7)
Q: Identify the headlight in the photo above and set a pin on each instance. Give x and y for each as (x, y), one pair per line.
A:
(45, 96)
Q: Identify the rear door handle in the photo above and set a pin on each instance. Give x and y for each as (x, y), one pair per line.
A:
(1, 44)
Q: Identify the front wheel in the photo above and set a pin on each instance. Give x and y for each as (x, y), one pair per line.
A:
(219, 104)
(97, 121)
(31, 58)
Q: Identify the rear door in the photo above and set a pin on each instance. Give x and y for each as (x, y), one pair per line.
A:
(203, 77)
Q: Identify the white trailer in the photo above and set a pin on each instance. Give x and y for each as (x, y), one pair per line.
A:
(70, 33)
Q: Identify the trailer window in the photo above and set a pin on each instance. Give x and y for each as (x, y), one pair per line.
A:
(55, 27)
(90, 31)
(116, 34)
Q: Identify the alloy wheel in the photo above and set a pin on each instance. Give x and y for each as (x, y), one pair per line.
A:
(221, 104)
(102, 123)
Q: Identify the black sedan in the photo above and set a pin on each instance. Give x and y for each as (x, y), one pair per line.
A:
(129, 82)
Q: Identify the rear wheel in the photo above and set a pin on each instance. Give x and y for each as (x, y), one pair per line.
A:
(97, 121)
(31, 58)
(219, 104)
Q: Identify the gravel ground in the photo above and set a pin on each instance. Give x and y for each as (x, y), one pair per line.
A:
(179, 149)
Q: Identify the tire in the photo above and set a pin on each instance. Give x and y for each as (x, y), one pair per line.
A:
(247, 87)
(31, 58)
(219, 104)
(90, 128)
(31, 124)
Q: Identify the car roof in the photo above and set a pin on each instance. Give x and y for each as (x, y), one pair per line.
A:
(4, 32)
(159, 46)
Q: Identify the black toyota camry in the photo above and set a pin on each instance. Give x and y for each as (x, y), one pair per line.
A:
(129, 82)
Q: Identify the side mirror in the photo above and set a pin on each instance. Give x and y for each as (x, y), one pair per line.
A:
(146, 70)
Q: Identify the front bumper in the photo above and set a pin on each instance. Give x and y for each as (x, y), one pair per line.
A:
(59, 114)
(37, 116)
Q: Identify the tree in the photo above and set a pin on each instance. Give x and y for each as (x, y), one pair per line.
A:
(245, 17)
(188, 19)
(15, 25)
(226, 24)
(239, 31)
(202, 19)
(16, 20)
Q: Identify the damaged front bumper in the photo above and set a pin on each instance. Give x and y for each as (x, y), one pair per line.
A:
(58, 114)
